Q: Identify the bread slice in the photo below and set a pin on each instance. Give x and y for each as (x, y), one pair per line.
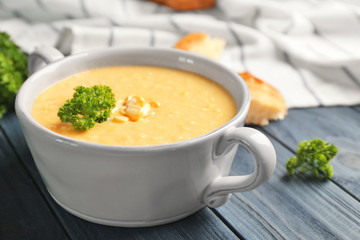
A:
(202, 43)
(266, 104)
(187, 4)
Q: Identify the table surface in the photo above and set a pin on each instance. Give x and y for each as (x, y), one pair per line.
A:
(283, 208)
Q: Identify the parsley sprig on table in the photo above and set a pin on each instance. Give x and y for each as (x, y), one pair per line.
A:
(13, 71)
(88, 107)
(313, 156)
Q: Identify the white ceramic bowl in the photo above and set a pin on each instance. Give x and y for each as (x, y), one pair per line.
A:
(145, 185)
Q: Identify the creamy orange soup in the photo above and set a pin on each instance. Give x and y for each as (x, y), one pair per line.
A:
(187, 105)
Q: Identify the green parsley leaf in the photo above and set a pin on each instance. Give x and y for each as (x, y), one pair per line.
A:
(87, 107)
(313, 157)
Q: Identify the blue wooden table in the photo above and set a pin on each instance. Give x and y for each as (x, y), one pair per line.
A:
(283, 208)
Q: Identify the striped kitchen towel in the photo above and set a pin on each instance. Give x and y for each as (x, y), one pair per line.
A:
(308, 49)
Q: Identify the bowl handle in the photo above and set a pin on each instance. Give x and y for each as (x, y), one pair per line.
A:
(263, 152)
(41, 57)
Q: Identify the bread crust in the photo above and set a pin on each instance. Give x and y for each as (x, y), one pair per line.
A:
(266, 104)
(189, 40)
(201, 43)
(187, 4)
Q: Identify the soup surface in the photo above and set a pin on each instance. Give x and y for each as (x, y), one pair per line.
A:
(187, 105)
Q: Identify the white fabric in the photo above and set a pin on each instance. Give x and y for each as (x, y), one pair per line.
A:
(309, 50)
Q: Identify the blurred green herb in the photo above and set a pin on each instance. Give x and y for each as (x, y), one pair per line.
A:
(13, 71)
(313, 156)
(87, 107)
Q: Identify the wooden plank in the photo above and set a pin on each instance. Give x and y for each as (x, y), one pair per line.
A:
(357, 108)
(290, 208)
(201, 225)
(337, 125)
(24, 214)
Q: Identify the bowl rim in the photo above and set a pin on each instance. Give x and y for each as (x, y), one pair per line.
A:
(27, 117)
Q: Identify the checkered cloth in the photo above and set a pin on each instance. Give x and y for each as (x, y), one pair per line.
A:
(308, 49)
